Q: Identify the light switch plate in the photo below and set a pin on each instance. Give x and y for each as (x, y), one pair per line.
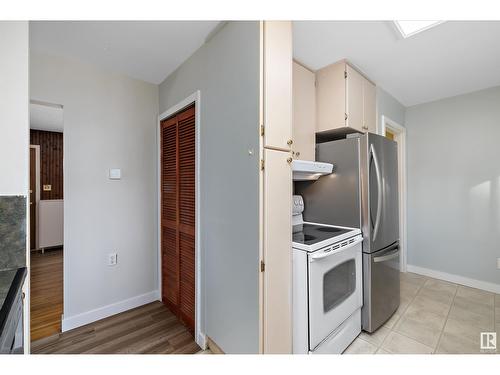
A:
(115, 174)
(112, 259)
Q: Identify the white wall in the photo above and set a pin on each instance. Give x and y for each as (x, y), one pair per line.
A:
(454, 185)
(110, 121)
(14, 126)
(226, 71)
(14, 110)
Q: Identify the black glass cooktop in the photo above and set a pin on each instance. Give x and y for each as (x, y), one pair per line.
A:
(311, 234)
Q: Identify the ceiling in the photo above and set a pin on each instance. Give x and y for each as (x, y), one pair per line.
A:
(450, 59)
(146, 50)
(47, 117)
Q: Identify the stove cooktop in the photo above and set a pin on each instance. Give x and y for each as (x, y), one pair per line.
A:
(312, 236)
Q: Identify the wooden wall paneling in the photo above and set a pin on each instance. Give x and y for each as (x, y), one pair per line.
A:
(51, 162)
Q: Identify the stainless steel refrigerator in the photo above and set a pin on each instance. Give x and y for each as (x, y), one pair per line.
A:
(362, 192)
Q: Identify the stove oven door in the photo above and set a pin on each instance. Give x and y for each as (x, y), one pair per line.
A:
(335, 288)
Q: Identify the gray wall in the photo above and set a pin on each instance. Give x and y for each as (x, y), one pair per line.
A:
(110, 121)
(388, 106)
(226, 71)
(454, 185)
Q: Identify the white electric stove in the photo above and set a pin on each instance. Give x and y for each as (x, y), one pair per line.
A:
(327, 285)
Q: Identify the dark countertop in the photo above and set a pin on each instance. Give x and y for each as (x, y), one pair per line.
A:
(10, 282)
(6, 278)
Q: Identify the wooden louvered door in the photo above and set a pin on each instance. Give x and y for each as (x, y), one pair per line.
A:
(178, 214)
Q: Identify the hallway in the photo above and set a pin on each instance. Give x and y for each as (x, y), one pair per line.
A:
(149, 329)
(46, 293)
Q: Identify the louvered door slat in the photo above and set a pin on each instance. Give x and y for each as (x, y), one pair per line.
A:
(178, 214)
(186, 170)
(170, 258)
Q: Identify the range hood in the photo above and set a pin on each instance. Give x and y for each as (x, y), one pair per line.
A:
(304, 170)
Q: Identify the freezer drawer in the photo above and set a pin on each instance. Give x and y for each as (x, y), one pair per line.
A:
(381, 286)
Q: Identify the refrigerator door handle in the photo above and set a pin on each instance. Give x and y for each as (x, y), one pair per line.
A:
(379, 192)
(383, 258)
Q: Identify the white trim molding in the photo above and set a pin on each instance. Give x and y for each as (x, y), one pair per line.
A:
(195, 98)
(473, 283)
(91, 316)
(37, 194)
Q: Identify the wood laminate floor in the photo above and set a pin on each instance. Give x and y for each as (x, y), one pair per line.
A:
(46, 293)
(149, 329)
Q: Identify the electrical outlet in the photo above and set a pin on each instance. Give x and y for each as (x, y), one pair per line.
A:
(498, 263)
(112, 259)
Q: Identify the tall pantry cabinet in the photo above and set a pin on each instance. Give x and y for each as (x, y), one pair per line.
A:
(276, 187)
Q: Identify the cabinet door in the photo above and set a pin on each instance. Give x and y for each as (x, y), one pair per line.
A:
(304, 112)
(278, 84)
(277, 278)
(330, 97)
(369, 107)
(354, 97)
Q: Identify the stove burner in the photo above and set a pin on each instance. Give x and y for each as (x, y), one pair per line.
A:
(310, 234)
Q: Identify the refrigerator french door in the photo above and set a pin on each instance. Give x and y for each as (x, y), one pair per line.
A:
(363, 193)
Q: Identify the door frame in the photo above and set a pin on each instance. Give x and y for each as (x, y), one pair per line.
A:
(399, 132)
(195, 99)
(37, 192)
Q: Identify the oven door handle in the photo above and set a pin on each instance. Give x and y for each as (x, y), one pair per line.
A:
(324, 254)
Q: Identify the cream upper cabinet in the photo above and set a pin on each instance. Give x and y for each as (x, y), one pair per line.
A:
(345, 99)
(278, 85)
(354, 94)
(304, 113)
(369, 107)
(330, 97)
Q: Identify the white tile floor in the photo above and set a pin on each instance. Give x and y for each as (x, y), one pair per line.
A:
(434, 317)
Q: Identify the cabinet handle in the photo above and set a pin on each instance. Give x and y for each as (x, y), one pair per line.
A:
(289, 160)
(289, 143)
(297, 154)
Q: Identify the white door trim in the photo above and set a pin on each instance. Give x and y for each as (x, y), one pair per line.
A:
(37, 192)
(400, 132)
(195, 98)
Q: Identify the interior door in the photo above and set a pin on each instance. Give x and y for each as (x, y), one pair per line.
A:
(178, 214)
(32, 198)
(384, 198)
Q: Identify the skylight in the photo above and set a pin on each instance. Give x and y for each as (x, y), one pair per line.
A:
(410, 28)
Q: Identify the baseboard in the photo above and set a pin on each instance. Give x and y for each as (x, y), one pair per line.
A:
(91, 316)
(214, 348)
(202, 340)
(473, 283)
